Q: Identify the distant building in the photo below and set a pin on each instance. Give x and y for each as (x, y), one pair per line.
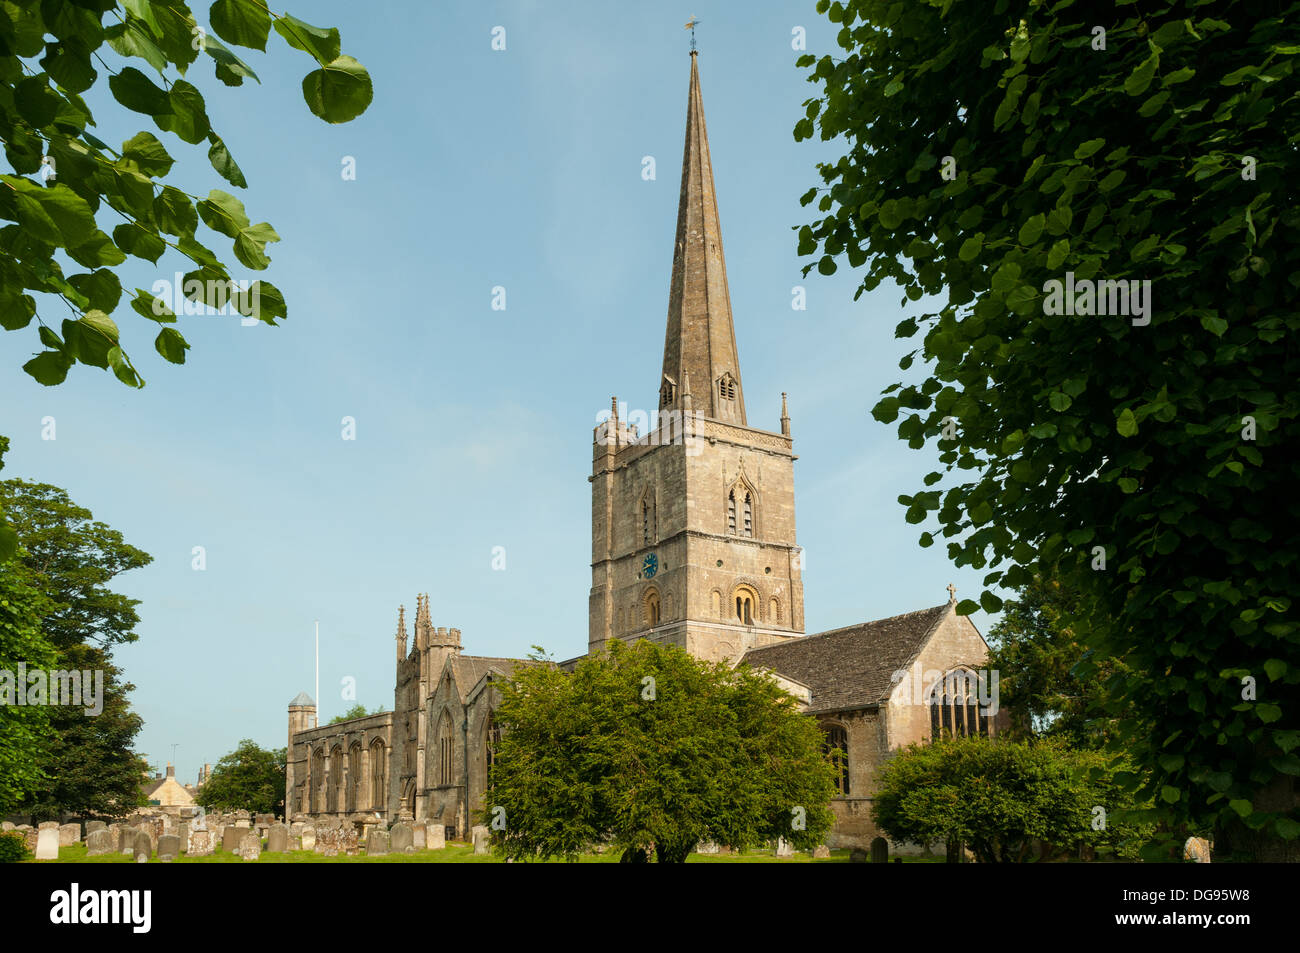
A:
(166, 791)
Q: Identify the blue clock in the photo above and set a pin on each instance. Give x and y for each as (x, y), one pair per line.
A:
(650, 566)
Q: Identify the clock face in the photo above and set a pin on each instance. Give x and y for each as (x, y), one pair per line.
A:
(650, 566)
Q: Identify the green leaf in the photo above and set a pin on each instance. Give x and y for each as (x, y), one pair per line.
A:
(139, 241)
(1057, 255)
(171, 345)
(98, 250)
(339, 91)
(1126, 423)
(174, 212)
(16, 310)
(102, 288)
(48, 367)
(186, 115)
(1032, 228)
(1242, 807)
(222, 161)
(1088, 148)
(224, 213)
(146, 155)
(155, 309)
(323, 44)
(68, 63)
(1214, 324)
(242, 22)
(230, 69)
(36, 102)
(131, 39)
(138, 93)
(971, 247)
(1140, 78)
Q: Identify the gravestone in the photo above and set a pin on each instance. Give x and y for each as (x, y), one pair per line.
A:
(327, 841)
(436, 835)
(169, 848)
(126, 839)
(482, 839)
(821, 852)
(48, 826)
(230, 839)
(880, 851)
(100, 842)
(308, 837)
(142, 849)
(349, 843)
(250, 846)
(420, 836)
(92, 826)
(377, 843)
(401, 839)
(706, 847)
(30, 836)
(182, 830)
(859, 856)
(7, 825)
(47, 843)
(200, 843)
(69, 834)
(277, 839)
(295, 830)
(784, 848)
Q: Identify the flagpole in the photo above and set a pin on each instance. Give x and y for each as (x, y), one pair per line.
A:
(318, 671)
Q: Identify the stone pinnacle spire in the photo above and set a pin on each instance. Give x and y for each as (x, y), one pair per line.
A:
(700, 341)
(401, 633)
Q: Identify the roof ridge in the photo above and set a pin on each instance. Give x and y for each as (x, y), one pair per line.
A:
(855, 625)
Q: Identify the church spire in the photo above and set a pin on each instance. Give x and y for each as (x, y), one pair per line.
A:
(700, 341)
(401, 633)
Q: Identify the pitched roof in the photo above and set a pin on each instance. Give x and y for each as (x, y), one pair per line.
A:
(851, 667)
(468, 669)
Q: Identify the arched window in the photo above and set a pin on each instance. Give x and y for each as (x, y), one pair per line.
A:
(727, 387)
(336, 780)
(773, 610)
(491, 738)
(652, 610)
(318, 780)
(378, 788)
(749, 514)
(354, 775)
(836, 747)
(741, 503)
(446, 750)
(731, 512)
(745, 600)
(954, 706)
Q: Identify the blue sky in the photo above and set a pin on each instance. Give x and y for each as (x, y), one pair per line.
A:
(475, 168)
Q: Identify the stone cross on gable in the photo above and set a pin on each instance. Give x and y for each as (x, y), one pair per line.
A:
(952, 593)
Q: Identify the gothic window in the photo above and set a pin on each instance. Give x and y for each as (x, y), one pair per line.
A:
(836, 747)
(731, 512)
(774, 610)
(491, 739)
(318, 780)
(749, 514)
(954, 707)
(378, 789)
(741, 502)
(652, 610)
(446, 750)
(354, 775)
(727, 387)
(336, 780)
(666, 392)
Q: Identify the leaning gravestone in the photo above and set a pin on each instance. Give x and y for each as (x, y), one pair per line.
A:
(880, 851)
(230, 839)
(481, 839)
(47, 844)
(401, 839)
(92, 826)
(169, 848)
(143, 848)
(100, 842)
(420, 836)
(277, 840)
(200, 843)
(69, 834)
(377, 843)
(250, 846)
(436, 836)
(308, 836)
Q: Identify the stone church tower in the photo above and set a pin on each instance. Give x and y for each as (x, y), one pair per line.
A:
(692, 529)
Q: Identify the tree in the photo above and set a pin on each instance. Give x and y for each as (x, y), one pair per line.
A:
(1041, 660)
(356, 711)
(24, 729)
(70, 559)
(45, 125)
(649, 746)
(250, 778)
(1135, 437)
(1002, 798)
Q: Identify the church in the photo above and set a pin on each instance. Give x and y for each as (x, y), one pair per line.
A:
(692, 544)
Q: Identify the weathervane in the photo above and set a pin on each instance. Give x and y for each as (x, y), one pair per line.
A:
(690, 25)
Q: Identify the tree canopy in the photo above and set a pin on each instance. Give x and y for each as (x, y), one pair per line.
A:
(1003, 162)
(648, 745)
(1006, 799)
(53, 52)
(250, 778)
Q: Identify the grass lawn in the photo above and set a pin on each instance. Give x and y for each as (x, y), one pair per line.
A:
(452, 854)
